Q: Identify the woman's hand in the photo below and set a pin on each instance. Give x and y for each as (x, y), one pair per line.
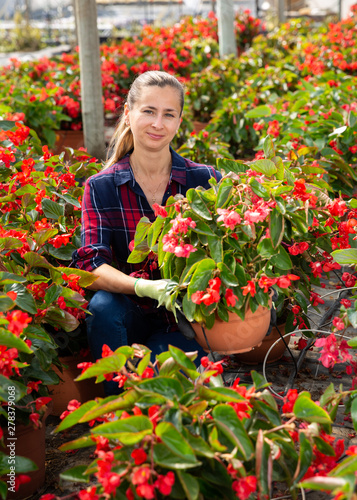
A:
(156, 289)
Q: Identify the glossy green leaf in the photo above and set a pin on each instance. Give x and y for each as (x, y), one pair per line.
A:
(214, 441)
(354, 413)
(6, 302)
(268, 148)
(323, 483)
(258, 188)
(231, 166)
(220, 394)
(215, 245)
(35, 260)
(77, 474)
(127, 431)
(352, 316)
(190, 485)
(167, 387)
(305, 455)
(5, 383)
(276, 227)
(85, 278)
(258, 112)
(278, 162)
(143, 364)
(174, 440)
(61, 319)
(154, 231)
(139, 253)
(109, 364)
(42, 236)
(9, 278)
(203, 228)
(63, 253)
(224, 192)
(266, 167)
(308, 410)
(52, 209)
(24, 299)
(282, 260)
(91, 409)
(197, 204)
(300, 103)
(348, 466)
(201, 276)
(167, 459)
(347, 256)
(10, 340)
(197, 408)
(10, 243)
(70, 199)
(22, 465)
(271, 414)
(198, 444)
(229, 424)
(3, 487)
(82, 442)
(265, 248)
(324, 447)
(181, 358)
(228, 278)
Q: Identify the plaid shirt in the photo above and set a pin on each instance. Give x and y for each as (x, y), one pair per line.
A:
(113, 204)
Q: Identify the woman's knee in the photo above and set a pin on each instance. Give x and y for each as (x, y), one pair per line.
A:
(102, 302)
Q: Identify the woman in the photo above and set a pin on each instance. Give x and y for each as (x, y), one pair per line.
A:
(141, 170)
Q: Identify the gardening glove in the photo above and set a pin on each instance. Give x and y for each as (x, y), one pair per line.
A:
(156, 289)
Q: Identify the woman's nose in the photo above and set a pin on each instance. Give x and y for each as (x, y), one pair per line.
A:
(157, 122)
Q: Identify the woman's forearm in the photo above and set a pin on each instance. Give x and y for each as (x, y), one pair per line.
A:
(112, 280)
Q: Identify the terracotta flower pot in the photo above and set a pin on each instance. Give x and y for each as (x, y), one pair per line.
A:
(237, 335)
(68, 389)
(68, 139)
(198, 126)
(258, 354)
(30, 443)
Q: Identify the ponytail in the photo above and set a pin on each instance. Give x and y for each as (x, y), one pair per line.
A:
(120, 144)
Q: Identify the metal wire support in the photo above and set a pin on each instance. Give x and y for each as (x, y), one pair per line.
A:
(331, 310)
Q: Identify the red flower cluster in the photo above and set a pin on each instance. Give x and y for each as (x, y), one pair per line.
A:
(209, 296)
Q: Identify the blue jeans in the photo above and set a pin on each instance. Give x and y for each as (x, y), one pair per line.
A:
(116, 320)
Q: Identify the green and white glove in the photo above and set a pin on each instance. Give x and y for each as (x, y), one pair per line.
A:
(156, 289)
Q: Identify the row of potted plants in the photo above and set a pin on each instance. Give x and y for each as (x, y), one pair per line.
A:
(48, 91)
(286, 66)
(40, 296)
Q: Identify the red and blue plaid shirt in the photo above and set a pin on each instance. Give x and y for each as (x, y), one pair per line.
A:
(113, 204)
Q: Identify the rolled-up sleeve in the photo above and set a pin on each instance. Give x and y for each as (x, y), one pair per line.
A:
(96, 234)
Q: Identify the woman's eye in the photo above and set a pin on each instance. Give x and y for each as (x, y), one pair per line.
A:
(148, 111)
(169, 115)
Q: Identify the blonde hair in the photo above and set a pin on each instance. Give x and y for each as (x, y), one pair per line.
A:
(122, 140)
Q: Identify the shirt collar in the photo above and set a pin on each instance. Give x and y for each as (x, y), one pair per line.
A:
(124, 174)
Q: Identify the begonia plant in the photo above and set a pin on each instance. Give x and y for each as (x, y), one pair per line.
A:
(39, 294)
(261, 226)
(176, 433)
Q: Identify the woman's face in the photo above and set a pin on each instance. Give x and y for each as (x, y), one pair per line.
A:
(155, 117)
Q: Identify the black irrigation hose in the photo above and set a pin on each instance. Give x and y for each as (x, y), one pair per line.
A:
(331, 310)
